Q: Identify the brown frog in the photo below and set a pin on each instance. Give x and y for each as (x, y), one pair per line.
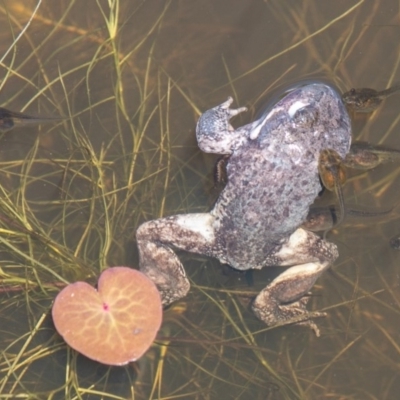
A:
(363, 155)
(366, 100)
(333, 176)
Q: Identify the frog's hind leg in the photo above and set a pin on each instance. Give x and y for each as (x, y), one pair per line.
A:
(155, 239)
(284, 300)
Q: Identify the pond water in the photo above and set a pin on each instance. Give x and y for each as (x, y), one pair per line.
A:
(129, 80)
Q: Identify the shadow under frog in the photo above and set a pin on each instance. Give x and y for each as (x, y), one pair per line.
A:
(272, 179)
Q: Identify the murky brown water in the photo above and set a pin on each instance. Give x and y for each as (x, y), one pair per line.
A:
(126, 153)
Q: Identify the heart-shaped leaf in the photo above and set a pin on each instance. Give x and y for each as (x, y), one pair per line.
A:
(115, 324)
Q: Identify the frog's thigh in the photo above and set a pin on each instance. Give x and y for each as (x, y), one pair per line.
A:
(303, 247)
(284, 299)
(190, 232)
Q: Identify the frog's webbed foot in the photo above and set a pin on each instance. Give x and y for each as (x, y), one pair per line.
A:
(285, 314)
(191, 232)
(214, 132)
(333, 176)
(301, 305)
(284, 300)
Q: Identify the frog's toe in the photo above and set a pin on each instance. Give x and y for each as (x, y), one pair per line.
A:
(226, 104)
(272, 313)
(231, 112)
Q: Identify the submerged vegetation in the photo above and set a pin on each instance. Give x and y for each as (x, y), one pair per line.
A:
(127, 79)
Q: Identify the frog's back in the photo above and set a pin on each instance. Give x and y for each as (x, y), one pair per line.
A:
(273, 178)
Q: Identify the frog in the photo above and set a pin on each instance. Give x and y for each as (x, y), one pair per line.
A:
(272, 180)
(10, 119)
(365, 156)
(367, 100)
(332, 173)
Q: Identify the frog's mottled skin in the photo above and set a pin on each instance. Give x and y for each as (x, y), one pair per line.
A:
(272, 179)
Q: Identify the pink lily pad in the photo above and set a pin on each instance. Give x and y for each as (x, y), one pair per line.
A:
(114, 324)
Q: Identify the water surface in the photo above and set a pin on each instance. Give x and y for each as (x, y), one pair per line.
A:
(130, 82)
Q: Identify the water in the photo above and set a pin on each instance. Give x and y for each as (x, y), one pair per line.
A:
(131, 94)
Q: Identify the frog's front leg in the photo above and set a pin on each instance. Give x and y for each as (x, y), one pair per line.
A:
(284, 300)
(155, 239)
(215, 134)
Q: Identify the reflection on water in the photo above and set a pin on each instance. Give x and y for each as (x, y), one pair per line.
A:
(134, 78)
